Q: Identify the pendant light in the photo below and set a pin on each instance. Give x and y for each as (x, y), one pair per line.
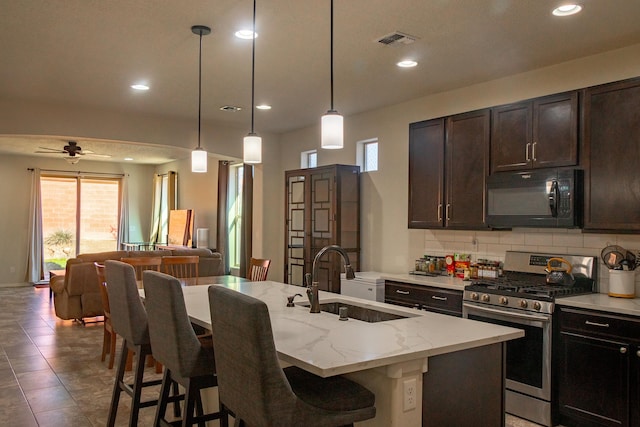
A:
(252, 146)
(199, 155)
(332, 135)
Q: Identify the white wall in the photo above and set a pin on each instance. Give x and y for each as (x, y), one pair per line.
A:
(388, 245)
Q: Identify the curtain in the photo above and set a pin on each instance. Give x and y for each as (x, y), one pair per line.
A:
(246, 227)
(222, 232)
(35, 255)
(123, 227)
(164, 199)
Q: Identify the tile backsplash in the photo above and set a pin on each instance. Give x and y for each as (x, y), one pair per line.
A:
(494, 244)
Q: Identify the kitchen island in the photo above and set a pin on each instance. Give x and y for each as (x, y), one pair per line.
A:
(391, 358)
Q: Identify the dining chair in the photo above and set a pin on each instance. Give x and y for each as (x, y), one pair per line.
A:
(141, 264)
(181, 266)
(258, 269)
(188, 360)
(257, 390)
(129, 319)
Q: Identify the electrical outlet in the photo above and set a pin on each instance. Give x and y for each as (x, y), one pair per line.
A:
(409, 393)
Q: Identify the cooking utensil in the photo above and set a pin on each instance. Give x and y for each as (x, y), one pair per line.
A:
(631, 258)
(613, 255)
(557, 275)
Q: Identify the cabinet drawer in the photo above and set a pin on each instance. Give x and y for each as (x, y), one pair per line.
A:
(599, 324)
(443, 301)
(425, 297)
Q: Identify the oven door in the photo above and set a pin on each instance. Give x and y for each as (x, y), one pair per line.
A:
(528, 359)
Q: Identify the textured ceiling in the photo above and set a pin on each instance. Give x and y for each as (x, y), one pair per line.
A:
(87, 52)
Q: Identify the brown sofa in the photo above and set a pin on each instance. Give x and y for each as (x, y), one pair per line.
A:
(77, 295)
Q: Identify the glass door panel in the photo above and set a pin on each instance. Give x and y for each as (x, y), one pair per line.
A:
(98, 215)
(59, 216)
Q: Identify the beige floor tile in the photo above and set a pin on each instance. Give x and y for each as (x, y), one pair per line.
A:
(38, 379)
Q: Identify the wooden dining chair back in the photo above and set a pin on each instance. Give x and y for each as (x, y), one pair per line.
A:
(141, 264)
(180, 266)
(258, 269)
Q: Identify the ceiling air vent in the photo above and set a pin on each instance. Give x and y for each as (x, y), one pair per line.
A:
(396, 39)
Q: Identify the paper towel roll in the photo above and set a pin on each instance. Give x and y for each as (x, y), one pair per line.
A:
(202, 237)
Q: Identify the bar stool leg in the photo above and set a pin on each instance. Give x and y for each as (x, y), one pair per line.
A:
(117, 387)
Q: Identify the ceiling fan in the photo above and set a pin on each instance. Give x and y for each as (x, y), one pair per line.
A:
(71, 152)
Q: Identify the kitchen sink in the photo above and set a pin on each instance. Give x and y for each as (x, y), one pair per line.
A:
(366, 314)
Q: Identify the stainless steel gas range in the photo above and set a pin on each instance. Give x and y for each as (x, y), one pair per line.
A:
(521, 298)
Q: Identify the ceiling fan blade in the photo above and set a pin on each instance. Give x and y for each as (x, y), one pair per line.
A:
(98, 155)
(50, 150)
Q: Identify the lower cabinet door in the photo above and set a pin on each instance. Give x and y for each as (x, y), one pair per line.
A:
(594, 381)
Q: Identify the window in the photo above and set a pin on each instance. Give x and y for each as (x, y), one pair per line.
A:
(79, 215)
(309, 159)
(367, 155)
(234, 213)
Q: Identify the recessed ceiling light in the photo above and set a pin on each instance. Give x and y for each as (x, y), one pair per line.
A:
(246, 34)
(128, 159)
(231, 108)
(408, 63)
(140, 86)
(567, 9)
(263, 107)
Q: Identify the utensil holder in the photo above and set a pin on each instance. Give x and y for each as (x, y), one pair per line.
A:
(622, 283)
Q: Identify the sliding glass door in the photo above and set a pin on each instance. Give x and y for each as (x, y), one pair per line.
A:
(79, 215)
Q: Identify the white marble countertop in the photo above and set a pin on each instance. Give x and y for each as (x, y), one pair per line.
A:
(603, 302)
(326, 346)
(445, 282)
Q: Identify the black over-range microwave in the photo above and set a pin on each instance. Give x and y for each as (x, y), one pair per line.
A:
(537, 198)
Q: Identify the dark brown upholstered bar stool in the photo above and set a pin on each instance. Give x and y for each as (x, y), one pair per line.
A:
(253, 386)
(129, 320)
(187, 360)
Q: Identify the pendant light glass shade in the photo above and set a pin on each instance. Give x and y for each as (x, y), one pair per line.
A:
(199, 155)
(199, 160)
(252, 149)
(332, 137)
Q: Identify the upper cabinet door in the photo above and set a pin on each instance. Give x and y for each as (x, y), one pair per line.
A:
(611, 135)
(539, 133)
(426, 174)
(467, 151)
(511, 137)
(555, 131)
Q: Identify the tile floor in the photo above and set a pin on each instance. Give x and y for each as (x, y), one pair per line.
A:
(50, 369)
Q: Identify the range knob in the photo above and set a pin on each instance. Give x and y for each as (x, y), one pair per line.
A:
(486, 298)
(523, 303)
(474, 296)
(503, 300)
(537, 305)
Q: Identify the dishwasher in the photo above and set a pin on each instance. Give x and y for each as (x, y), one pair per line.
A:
(367, 285)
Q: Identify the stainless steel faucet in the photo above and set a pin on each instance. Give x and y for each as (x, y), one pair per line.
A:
(311, 280)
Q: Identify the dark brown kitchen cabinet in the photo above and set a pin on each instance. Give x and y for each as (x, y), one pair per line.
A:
(448, 164)
(322, 207)
(429, 298)
(598, 364)
(538, 133)
(611, 135)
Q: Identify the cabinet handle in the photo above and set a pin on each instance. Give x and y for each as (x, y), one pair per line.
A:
(440, 212)
(398, 291)
(602, 325)
(447, 211)
(438, 298)
(526, 152)
(623, 350)
(533, 151)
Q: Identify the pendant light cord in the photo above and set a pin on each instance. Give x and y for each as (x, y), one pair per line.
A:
(253, 66)
(331, 53)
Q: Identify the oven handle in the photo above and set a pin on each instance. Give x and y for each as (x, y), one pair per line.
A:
(505, 313)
